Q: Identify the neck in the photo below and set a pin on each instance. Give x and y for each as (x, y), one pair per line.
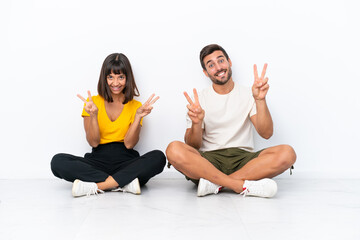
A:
(118, 97)
(224, 89)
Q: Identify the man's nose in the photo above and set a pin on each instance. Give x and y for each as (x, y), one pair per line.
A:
(217, 67)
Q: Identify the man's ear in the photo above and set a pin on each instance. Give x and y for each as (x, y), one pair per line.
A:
(230, 62)
(205, 72)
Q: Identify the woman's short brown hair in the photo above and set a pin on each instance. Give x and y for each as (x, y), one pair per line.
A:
(117, 63)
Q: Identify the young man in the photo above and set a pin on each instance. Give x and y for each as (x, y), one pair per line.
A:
(219, 141)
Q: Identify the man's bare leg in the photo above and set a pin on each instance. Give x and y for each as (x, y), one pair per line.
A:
(270, 163)
(189, 161)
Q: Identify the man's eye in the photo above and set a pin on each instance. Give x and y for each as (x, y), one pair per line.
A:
(211, 65)
(222, 60)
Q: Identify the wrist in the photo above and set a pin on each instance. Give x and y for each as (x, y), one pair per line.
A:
(137, 118)
(93, 115)
(259, 100)
(197, 124)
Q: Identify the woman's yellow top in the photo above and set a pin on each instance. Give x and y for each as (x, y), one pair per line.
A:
(114, 131)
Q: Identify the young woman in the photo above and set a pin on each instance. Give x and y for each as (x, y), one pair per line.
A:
(112, 122)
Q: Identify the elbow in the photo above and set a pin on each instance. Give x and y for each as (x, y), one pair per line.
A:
(194, 145)
(94, 144)
(267, 135)
(191, 144)
(128, 145)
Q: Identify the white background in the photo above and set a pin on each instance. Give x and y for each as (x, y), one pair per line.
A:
(52, 50)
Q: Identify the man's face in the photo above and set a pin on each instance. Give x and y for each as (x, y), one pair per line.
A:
(218, 69)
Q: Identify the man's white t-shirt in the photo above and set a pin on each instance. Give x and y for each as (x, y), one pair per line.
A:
(227, 119)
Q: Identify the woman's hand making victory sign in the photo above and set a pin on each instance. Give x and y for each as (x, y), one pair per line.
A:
(90, 106)
(196, 113)
(146, 108)
(260, 86)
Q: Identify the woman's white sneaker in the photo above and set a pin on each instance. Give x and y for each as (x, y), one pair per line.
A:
(133, 187)
(206, 187)
(261, 188)
(81, 188)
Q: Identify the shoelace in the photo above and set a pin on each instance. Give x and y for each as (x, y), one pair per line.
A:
(94, 192)
(118, 189)
(245, 192)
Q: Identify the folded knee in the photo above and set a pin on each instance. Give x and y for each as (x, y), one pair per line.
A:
(56, 161)
(158, 157)
(287, 156)
(173, 152)
(172, 149)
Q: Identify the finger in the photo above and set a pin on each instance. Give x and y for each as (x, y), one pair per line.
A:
(190, 108)
(255, 72)
(264, 71)
(82, 98)
(148, 109)
(265, 80)
(89, 95)
(265, 87)
(153, 101)
(191, 114)
(151, 97)
(188, 98)
(196, 97)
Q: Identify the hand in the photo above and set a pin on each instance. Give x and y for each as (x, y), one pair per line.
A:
(90, 106)
(196, 113)
(146, 108)
(260, 86)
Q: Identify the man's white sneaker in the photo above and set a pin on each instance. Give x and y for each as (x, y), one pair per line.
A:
(81, 188)
(133, 187)
(261, 188)
(206, 187)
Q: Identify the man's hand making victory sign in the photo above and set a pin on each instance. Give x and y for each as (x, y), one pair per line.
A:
(90, 106)
(260, 86)
(196, 113)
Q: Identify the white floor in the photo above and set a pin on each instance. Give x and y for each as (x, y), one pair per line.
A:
(169, 209)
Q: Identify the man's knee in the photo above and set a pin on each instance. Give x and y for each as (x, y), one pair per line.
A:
(173, 152)
(286, 156)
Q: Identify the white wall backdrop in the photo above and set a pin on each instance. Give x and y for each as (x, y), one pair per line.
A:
(52, 50)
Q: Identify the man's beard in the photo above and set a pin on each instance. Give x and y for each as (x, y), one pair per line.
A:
(215, 81)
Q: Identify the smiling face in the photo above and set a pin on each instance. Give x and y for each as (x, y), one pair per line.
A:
(116, 82)
(217, 67)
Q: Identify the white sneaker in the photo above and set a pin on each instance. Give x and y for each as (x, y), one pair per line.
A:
(81, 188)
(261, 188)
(133, 187)
(206, 187)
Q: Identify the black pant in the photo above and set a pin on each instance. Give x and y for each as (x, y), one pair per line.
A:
(111, 159)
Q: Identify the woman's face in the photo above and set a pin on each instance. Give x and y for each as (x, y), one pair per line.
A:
(116, 82)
